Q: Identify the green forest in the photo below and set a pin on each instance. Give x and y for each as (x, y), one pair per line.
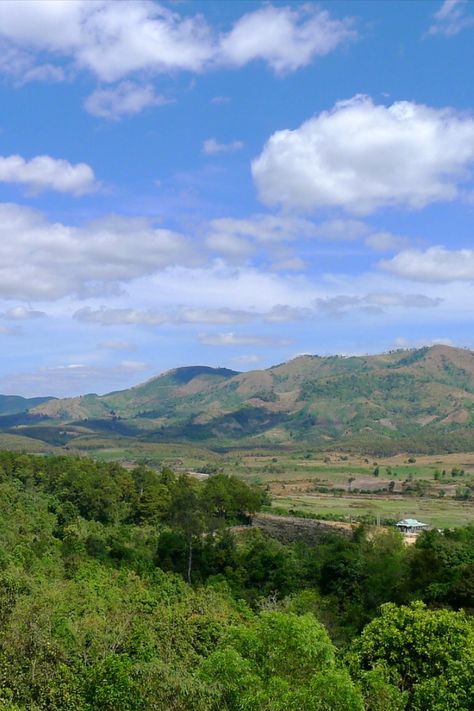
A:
(123, 589)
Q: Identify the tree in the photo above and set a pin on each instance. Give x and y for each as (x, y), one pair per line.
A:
(428, 653)
(280, 662)
(186, 514)
(227, 498)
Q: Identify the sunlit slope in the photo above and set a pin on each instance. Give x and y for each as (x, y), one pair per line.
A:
(423, 393)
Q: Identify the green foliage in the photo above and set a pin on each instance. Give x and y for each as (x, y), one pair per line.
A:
(95, 613)
(281, 661)
(428, 653)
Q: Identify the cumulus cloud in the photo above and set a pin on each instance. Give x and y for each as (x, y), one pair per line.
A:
(212, 147)
(109, 39)
(114, 40)
(45, 173)
(44, 260)
(452, 17)
(287, 38)
(239, 339)
(435, 264)
(361, 156)
(125, 99)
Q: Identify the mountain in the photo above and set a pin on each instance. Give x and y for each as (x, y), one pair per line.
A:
(14, 404)
(416, 400)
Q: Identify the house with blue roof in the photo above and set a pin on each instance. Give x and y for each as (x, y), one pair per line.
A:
(411, 525)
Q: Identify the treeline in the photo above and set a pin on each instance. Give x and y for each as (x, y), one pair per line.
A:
(96, 612)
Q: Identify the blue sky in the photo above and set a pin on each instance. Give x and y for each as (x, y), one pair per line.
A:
(231, 184)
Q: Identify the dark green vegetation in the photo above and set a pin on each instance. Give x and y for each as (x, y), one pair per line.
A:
(14, 404)
(96, 613)
(418, 401)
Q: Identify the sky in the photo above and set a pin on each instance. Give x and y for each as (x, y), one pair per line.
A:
(230, 184)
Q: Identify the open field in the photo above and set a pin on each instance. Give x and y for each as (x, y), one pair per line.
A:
(333, 484)
(439, 513)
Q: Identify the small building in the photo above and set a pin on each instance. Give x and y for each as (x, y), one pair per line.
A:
(411, 525)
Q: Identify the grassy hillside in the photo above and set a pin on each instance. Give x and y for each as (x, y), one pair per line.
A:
(417, 400)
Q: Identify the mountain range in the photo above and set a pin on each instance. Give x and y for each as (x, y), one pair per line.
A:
(404, 400)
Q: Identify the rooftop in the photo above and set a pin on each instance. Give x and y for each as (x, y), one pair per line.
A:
(411, 523)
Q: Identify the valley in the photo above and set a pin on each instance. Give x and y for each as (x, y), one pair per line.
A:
(374, 438)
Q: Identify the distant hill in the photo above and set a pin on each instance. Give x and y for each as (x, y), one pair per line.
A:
(14, 404)
(406, 400)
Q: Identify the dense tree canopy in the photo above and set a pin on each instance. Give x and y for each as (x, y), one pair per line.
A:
(96, 613)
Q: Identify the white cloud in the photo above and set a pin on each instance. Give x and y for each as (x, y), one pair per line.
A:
(222, 316)
(44, 260)
(212, 147)
(436, 264)
(374, 303)
(263, 228)
(239, 339)
(451, 18)
(362, 156)
(337, 305)
(287, 38)
(184, 315)
(108, 38)
(20, 313)
(44, 73)
(229, 245)
(125, 99)
(46, 173)
(282, 313)
(124, 317)
(114, 40)
(341, 230)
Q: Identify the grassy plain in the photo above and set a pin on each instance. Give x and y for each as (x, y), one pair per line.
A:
(440, 513)
(345, 486)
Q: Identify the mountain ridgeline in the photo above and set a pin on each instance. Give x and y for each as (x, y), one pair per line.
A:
(405, 400)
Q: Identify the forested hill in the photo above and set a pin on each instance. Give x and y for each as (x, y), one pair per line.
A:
(421, 399)
(125, 590)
